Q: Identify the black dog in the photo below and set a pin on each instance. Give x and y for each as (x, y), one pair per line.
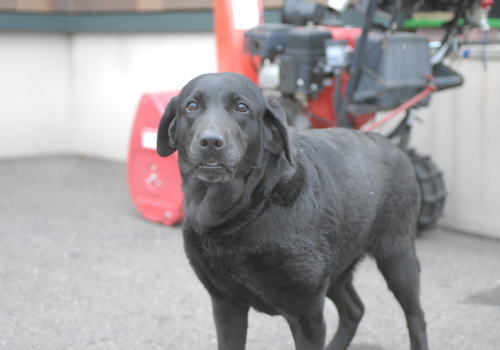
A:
(277, 222)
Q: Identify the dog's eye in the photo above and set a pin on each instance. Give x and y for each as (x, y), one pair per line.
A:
(192, 106)
(241, 107)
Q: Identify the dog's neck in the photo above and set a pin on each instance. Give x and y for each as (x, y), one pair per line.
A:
(222, 209)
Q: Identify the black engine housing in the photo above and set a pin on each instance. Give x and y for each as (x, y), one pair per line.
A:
(303, 61)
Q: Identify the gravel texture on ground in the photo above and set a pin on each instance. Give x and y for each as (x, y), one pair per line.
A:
(80, 269)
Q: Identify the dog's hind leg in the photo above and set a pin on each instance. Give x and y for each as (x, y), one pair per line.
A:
(350, 310)
(402, 273)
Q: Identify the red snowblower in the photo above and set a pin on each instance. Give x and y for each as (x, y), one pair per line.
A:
(326, 74)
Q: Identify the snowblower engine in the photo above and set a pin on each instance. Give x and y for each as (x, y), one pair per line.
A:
(301, 61)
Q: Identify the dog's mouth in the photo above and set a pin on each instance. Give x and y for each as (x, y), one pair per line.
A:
(214, 172)
(211, 166)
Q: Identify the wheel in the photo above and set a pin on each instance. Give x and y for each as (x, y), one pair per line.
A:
(432, 189)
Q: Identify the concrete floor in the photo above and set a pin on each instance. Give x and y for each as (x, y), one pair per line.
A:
(79, 269)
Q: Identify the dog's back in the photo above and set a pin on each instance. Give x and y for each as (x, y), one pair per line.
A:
(361, 184)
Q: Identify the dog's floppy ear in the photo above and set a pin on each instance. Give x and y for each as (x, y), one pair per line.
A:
(165, 142)
(275, 118)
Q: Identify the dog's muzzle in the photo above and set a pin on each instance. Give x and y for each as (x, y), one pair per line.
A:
(210, 151)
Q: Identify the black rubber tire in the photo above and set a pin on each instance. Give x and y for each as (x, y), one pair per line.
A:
(432, 189)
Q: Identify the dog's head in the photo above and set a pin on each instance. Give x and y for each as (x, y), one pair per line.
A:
(220, 123)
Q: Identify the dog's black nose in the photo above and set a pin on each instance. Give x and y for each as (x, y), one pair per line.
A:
(211, 140)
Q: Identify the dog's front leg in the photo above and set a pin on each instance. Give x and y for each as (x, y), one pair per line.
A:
(308, 330)
(231, 321)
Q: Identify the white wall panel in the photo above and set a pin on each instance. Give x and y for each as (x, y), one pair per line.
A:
(79, 93)
(112, 71)
(461, 131)
(34, 93)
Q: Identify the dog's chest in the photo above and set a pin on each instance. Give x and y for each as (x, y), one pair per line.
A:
(266, 277)
(229, 271)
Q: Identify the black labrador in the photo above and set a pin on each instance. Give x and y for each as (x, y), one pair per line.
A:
(277, 222)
